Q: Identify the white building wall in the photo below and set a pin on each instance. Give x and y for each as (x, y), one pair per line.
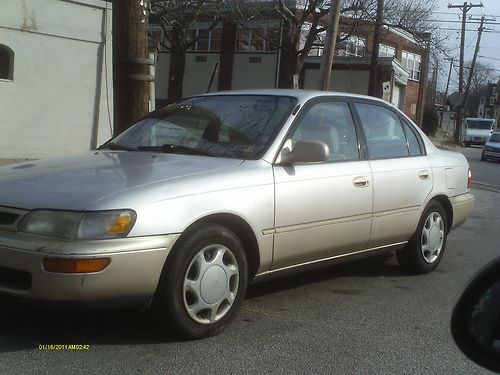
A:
(54, 105)
(251, 75)
(197, 74)
(161, 75)
(351, 81)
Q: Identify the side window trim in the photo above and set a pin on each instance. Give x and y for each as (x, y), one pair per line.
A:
(304, 108)
(420, 141)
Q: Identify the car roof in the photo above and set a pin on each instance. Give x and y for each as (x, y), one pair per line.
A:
(480, 119)
(301, 95)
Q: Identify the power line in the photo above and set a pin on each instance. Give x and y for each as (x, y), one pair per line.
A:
(486, 57)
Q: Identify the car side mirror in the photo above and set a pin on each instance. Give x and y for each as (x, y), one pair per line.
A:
(304, 152)
(475, 323)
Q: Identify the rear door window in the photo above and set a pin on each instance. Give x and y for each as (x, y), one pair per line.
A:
(385, 137)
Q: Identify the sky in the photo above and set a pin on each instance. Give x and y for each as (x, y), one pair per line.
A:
(489, 52)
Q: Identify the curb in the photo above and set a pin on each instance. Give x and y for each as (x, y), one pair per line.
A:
(484, 186)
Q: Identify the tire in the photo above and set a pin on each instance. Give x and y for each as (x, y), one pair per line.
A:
(425, 248)
(466, 144)
(482, 157)
(203, 282)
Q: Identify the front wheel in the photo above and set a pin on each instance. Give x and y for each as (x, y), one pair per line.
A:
(425, 249)
(203, 285)
(482, 156)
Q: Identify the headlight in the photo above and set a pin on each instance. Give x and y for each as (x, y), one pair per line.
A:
(79, 225)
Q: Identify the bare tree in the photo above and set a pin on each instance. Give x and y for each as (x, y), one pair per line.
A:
(178, 20)
(482, 75)
(305, 26)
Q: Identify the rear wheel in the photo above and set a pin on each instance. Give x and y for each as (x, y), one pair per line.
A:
(425, 249)
(466, 144)
(204, 284)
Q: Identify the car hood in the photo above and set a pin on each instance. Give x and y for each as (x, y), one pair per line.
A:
(75, 182)
(492, 144)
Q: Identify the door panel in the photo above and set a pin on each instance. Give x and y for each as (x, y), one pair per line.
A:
(402, 177)
(323, 209)
(320, 212)
(400, 188)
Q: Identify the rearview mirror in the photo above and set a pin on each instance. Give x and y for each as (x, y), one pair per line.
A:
(475, 323)
(304, 152)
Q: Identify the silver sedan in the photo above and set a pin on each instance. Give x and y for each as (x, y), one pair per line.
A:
(198, 199)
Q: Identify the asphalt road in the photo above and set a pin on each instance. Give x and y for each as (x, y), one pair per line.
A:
(485, 172)
(363, 317)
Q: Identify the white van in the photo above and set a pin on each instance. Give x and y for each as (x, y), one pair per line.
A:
(478, 130)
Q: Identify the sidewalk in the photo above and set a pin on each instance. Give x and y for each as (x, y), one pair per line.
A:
(443, 140)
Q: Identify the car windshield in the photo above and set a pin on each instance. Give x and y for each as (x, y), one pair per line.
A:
(479, 124)
(233, 126)
(495, 137)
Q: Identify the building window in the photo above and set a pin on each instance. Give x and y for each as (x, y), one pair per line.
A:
(412, 62)
(386, 51)
(205, 40)
(257, 39)
(351, 45)
(6, 63)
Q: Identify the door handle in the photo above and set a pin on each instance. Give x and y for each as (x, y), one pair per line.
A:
(423, 175)
(360, 181)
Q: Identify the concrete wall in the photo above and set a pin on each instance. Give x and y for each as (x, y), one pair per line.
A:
(197, 73)
(351, 81)
(254, 75)
(161, 75)
(55, 105)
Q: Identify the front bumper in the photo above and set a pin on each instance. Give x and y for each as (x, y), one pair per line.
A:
(130, 278)
(462, 207)
(491, 154)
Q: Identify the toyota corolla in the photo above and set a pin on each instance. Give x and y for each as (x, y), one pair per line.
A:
(199, 198)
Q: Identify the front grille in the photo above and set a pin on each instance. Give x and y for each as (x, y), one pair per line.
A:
(15, 279)
(8, 218)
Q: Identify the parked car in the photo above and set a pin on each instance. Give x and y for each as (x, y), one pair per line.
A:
(491, 149)
(203, 196)
(478, 130)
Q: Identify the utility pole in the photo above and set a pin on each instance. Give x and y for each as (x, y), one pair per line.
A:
(473, 64)
(372, 83)
(130, 62)
(446, 94)
(331, 38)
(464, 8)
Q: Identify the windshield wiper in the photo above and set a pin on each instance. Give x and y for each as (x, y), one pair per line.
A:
(116, 146)
(169, 148)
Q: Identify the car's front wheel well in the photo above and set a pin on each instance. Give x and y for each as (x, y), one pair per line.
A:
(244, 232)
(445, 202)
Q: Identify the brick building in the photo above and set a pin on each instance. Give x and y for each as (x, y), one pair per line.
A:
(249, 57)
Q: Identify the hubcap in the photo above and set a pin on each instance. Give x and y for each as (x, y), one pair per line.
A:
(210, 284)
(432, 237)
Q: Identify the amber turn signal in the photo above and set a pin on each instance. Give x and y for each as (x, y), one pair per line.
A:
(88, 265)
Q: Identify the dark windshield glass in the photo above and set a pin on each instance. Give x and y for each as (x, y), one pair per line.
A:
(495, 137)
(237, 126)
(479, 124)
